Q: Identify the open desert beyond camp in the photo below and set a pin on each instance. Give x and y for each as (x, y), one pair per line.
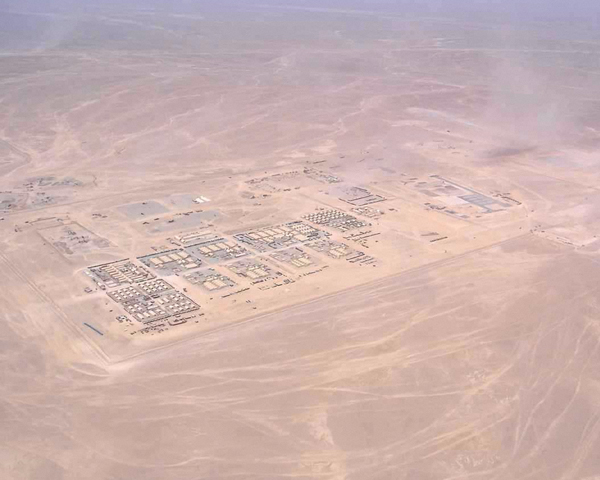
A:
(335, 240)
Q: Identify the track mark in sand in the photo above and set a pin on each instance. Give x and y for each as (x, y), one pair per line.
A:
(19, 152)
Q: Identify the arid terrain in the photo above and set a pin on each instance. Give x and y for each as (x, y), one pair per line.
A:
(290, 241)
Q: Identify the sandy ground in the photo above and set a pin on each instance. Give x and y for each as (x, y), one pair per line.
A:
(467, 348)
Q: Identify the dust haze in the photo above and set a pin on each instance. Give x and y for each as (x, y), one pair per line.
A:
(283, 238)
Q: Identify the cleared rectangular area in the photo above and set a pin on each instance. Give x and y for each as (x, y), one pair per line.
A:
(139, 210)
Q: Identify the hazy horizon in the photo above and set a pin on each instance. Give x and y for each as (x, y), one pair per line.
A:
(516, 10)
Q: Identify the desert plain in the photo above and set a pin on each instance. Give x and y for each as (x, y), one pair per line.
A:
(273, 241)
